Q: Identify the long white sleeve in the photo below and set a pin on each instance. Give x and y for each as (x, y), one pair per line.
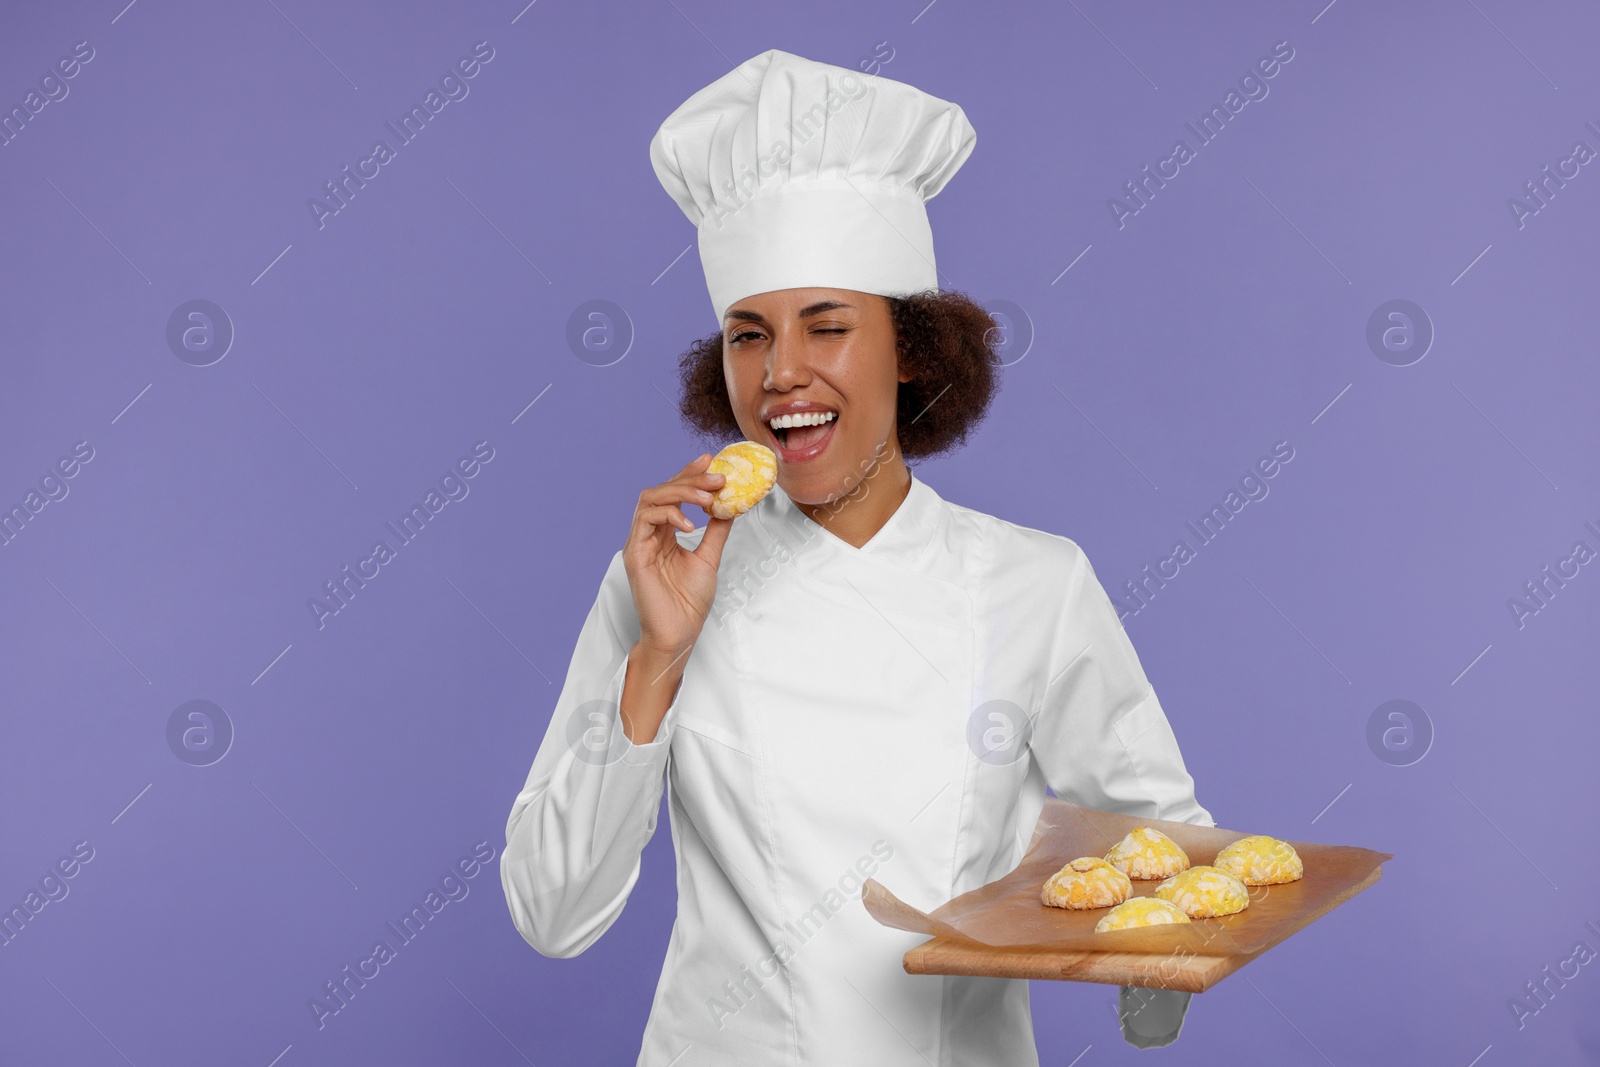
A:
(592, 797)
(1104, 742)
(1101, 738)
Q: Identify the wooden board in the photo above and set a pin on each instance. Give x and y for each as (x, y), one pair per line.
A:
(1002, 929)
(1194, 974)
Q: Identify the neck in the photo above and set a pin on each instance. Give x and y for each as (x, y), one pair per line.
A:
(858, 513)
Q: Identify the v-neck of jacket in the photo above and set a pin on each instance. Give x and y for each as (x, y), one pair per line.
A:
(901, 539)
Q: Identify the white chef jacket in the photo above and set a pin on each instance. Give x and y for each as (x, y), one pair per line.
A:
(846, 712)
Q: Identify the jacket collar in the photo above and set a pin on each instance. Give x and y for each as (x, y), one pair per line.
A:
(902, 539)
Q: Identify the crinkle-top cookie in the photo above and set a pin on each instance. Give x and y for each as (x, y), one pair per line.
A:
(1086, 882)
(750, 470)
(1260, 860)
(1140, 911)
(1146, 854)
(1204, 892)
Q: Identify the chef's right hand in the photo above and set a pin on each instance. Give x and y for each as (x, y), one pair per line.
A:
(673, 588)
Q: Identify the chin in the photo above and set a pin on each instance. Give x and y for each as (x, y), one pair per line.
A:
(804, 488)
(816, 486)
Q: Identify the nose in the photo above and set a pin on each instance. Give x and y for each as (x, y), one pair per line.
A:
(787, 366)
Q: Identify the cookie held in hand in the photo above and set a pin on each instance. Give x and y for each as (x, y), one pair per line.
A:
(1148, 854)
(1205, 892)
(1260, 860)
(750, 470)
(1086, 882)
(1140, 911)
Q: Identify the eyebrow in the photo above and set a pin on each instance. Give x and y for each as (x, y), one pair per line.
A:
(745, 315)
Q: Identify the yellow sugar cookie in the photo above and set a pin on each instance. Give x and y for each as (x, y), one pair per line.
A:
(1205, 892)
(1147, 854)
(750, 469)
(1260, 860)
(1140, 911)
(1086, 882)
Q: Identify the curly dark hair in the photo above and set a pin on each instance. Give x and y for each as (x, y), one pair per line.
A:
(947, 342)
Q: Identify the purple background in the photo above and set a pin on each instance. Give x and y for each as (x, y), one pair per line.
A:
(369, 755)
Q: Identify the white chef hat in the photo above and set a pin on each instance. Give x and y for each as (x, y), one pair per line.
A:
(799, 174)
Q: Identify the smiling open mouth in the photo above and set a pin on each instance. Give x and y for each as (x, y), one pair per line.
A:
(802, 436)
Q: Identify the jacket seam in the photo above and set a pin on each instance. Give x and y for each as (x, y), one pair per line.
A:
(740, 656)
(1128, 750)
(942, 1049)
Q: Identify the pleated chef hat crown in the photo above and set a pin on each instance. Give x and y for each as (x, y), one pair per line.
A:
(800, 174)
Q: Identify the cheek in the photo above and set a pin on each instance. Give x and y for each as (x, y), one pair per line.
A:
(739, 387)
(869, 377)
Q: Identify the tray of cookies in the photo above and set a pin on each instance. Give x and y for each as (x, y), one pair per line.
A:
(1103, 897)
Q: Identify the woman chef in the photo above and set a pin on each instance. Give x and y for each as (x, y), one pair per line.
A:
(856, 677)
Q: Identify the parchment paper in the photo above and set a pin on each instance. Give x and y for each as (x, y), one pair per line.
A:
(1007, 913)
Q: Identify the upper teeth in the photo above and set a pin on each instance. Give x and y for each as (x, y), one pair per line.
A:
(807, 418)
